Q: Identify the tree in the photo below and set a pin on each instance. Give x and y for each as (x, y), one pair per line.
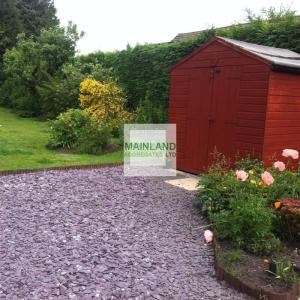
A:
(61, 92)
(37, 15)
(24, 16)
(32, 62)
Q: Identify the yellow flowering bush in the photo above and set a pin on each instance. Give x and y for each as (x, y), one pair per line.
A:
(105, 102)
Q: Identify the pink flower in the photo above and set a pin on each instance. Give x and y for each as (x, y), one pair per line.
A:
(241, 175)
(294, 154)
(267, 178)
(279, 165)
(209, 236)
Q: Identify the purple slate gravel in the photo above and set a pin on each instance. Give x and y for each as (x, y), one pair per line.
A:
(95, 234)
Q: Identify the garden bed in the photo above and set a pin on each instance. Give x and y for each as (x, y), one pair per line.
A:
(247, 273)
(254, 214)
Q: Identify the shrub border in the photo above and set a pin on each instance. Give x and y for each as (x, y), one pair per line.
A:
(248, 289)
(65, 168)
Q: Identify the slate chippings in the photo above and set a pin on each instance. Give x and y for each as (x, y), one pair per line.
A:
(95, 234)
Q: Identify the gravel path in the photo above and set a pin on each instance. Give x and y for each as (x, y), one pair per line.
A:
(95, 234)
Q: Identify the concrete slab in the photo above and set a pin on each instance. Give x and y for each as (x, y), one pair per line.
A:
(189, 183)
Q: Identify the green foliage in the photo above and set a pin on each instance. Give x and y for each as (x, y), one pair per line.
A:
(216, 190)
(248, 223)
(220, 185)
(229, 260)
(23, 146)
(243, 212)
(271, 28)
(231, 257)
(32, 63)
(248, 163)
(24, 16)
(285, 271)
(77, 130)
(66, 128)
(144, 70)
(287, 186)
(93, 139)
(61, 92)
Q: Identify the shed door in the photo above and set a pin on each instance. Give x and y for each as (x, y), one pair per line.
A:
(223, 111)
(212, 107)
(196, 145)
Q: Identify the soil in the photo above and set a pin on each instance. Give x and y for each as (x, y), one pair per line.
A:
(251, 269)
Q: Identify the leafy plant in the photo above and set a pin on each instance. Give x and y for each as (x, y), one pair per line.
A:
(284, 271)
(228, 261)
(248, 224)
(32, 63)
(61, 92)
(250, 164)
(93, 139)
(77, 130)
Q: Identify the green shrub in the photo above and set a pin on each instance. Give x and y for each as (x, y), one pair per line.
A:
(61, 92)
(285, 271)
(249, 207)
(220, 185)
(248, 163)
(216, 190)
(93, 139)
(32, 62)
(248, 224)
(78, 131)
(144, 70)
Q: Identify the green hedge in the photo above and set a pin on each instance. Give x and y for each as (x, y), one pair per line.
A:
(144, 70)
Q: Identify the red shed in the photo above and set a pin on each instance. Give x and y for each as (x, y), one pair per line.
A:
(237, 97)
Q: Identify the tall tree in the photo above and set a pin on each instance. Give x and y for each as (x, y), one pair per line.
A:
(10, 24)
(37, 14)
(24, 16)
(32, 63)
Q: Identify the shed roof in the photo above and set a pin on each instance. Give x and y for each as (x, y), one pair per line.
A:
(277, 56)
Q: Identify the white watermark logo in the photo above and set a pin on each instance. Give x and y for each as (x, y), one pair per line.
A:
(150, 150)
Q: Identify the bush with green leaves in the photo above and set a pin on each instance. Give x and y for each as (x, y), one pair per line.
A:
(77, 130)
(61, 92)
(248, 224)
(32, 63)
(244, 206)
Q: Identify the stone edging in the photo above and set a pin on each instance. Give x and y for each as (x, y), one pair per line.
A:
(250, 290)
(79, 167)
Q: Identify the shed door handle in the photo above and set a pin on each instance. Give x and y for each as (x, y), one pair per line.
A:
(211, 120)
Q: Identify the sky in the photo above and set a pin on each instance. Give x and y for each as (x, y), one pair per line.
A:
(113, 24)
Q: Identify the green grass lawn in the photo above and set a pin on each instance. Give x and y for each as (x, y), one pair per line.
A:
(23, 146)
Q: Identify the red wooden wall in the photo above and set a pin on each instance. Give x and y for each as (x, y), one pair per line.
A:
(226, 109)
(283, 115)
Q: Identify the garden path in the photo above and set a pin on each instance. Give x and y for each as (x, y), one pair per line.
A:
(95, 234)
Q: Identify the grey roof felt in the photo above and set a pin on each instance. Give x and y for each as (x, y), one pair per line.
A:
(277, 56)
